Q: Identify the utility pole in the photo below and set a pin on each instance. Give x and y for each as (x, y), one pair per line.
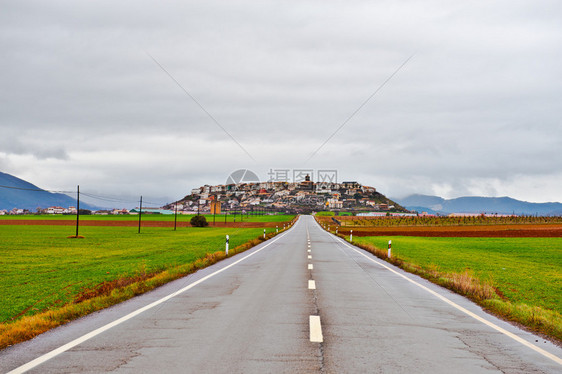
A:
(214, 207)
(140, 213)
(77, 209)
(175, 215)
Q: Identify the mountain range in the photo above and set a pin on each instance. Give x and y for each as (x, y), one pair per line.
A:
(17, 193)
(478, 204)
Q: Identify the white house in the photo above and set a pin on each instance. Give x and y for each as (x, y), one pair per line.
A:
(323, 188)
(335, 203)
(56, 210)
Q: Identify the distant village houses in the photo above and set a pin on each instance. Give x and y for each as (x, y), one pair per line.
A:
(271, 196)
(285, 196)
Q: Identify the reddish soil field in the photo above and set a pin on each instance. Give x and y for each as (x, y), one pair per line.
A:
(491, 231)
(85, 222)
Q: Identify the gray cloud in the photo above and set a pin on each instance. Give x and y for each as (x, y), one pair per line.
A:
(33, 143)
(475, 111)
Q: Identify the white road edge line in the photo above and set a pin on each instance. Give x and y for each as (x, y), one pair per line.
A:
(47, 356)
(311, 284)
(315, 330)
(554, 358)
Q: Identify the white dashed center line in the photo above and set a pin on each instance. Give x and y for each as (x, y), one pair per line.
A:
(315, 330)
(311, 285)
(310, 267)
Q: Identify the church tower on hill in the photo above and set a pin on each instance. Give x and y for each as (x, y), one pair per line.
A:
(306, 185)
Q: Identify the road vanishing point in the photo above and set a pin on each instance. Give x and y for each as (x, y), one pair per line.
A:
(303, 302)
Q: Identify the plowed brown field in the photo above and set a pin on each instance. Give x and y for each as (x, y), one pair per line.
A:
(491, 231)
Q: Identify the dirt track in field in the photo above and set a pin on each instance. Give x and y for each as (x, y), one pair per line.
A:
(491, 231)
(85, 222)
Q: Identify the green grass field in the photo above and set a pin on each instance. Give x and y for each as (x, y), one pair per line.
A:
(524, 270)
(41, 268)
(155, 217)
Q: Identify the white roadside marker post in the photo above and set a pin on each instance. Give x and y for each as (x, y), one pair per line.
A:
(227, 238)
(264, 233)
(351, 236)
(336, 230)
(389, 247)
(276, 229)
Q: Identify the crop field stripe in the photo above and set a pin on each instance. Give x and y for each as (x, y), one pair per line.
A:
(554, 358)
(47, 356)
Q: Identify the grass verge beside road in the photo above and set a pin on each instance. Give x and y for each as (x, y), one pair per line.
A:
(517, 278)
(47, 279)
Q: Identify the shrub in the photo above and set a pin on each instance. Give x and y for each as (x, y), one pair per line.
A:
(199, 221)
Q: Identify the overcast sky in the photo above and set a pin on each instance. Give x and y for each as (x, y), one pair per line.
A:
(475, 111)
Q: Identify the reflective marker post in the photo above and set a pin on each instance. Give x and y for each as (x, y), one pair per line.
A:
(351, 236)
(389, 247)
(227, 238)
(264, 233)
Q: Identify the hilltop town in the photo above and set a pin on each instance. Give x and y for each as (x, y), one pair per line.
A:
(301, 197)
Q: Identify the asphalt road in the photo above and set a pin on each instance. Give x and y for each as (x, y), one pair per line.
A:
(303, 302)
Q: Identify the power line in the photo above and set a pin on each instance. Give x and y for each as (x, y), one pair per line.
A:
(358, 109)
(154, 204)
(200, 106)
(112, 199)
(35, 189)
(106, 198)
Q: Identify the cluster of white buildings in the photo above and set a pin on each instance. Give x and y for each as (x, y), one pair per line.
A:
(60, 210)
(287, 195)
(49, 210)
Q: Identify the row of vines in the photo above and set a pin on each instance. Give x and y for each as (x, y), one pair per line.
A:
(445, 221)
